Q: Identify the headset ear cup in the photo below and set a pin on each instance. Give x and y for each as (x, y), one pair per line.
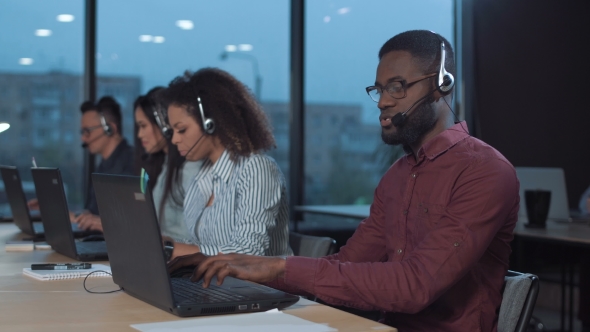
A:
(209, 126)
(448, 83)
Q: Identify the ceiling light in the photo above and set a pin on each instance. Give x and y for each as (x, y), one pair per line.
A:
(343, 11)
(145, 38)
(65, 18)
(43, 33)
(4, 126)
(159, 39)
(327, 19)
(25, 61)
(185, 24)
(245, 47)
(230, 48)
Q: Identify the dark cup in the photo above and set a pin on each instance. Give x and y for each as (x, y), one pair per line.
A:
(537, 207)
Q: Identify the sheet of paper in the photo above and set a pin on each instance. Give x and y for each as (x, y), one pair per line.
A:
(271, 321)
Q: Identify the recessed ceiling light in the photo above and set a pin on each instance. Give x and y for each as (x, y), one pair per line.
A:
(327, 19)
(231, 48)
(43, 32)
(185, 24)
(343, 10)
(65, 18)
(146, 38)
(25, 61)
(159, 39)
(245, 47)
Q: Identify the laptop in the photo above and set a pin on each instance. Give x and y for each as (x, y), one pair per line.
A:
(30, 225)
(56, 218)
(138, 261)
(546, 178)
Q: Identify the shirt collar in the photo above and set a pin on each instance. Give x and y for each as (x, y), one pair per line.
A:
(441, 143)
(223, 167)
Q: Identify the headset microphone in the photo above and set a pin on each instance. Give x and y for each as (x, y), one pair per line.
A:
(85, 145)
(192, 147)
(399, 119)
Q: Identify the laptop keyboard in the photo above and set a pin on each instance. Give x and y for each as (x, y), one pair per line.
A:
(91, 247)
(184, 289)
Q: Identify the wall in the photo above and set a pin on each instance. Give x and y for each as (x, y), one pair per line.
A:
(531, 79)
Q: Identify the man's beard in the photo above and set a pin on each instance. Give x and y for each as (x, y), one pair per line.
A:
(419, 122)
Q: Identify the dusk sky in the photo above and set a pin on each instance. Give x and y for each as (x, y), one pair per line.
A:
(342, 40)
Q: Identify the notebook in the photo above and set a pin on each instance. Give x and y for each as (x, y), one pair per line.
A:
(546, 178)
(68, 274)
(56, 218)
(28, 224)
(138, 262)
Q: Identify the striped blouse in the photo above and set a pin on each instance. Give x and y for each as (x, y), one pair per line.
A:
(249, 213)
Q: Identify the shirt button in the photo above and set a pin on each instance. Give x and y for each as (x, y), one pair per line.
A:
(425, 210)
(414, 175)
(405, 212)
(399, 251)
(456, 244)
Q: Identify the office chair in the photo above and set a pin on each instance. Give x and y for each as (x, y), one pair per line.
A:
(518, 301)
(311, 246)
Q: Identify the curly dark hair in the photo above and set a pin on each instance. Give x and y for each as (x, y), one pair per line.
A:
(240, 123)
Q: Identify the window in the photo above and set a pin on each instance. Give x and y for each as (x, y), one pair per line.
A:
(144, 44)
(43, 63)
(342, 39)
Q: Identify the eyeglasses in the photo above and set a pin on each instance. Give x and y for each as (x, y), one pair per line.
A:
(86, 131)
(396, 89)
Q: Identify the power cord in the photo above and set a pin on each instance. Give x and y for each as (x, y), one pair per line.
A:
(89, 291)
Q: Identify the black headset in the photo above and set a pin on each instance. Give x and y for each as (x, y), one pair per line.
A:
(162, 123)
(108, 130)
(446, 81)
(208, 123)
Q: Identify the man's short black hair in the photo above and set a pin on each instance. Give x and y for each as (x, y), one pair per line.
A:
(424, 46)
(109, 108)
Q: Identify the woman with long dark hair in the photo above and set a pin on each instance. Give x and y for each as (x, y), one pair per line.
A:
(169, 174)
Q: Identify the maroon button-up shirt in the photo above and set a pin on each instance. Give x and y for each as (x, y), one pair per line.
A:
(434, 251)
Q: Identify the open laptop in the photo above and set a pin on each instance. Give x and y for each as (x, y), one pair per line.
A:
(546, 178)
(138, 262)
(56, 218)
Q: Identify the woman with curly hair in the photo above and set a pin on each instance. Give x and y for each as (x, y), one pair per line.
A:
(237, 203)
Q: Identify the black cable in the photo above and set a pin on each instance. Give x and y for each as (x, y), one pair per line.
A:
(89, 291)
(456, 117)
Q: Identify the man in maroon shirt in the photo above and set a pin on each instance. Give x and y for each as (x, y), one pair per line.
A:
(433, 253)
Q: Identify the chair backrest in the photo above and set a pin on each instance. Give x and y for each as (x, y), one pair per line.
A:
(311, 246)
(518, 301)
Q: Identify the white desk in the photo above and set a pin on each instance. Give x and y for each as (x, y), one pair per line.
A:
(27, 304)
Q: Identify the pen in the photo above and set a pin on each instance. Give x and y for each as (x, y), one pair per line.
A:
(34, 163)
(61, 266)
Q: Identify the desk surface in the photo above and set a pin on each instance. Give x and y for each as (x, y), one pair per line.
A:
(27, 304)
(572, 233)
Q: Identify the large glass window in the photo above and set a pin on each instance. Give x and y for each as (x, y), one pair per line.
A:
(344, 154)
(41, 63)
(143, 44)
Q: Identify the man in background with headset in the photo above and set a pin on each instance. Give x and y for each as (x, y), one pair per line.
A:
(102, 134)
(434, 251)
